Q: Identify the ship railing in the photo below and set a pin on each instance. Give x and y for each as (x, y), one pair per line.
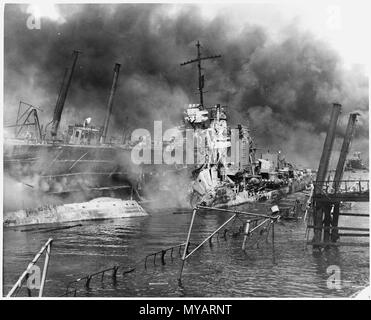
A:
(71, 288)
(30, 270)
(344, 186)
(253, 223)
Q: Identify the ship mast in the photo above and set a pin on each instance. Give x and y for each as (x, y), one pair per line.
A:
(62, 96)
(201, 78)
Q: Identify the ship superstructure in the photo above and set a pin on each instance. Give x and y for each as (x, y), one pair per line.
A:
(355, 162)
(231, 173)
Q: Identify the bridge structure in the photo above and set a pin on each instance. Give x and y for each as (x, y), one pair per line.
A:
(330, 195)
(349, 191)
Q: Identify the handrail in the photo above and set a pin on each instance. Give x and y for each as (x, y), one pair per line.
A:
(236, 213)
(115, 269)
(46, 247)
(349, 186)
(252, 217)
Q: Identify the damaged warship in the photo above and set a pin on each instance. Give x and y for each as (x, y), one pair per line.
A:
(230, 173)
(82, 162)
(355, 163)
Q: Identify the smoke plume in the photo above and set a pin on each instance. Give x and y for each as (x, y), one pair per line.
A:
(284, 88)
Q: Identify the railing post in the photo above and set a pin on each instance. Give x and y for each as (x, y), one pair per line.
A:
(25, 274)
(186, 244)
(247, 226)
(29, 293)
(327, 222)
(45, 270)
(334, 223)
(163, 252)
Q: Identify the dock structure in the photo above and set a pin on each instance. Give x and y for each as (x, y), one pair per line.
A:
(328, 195)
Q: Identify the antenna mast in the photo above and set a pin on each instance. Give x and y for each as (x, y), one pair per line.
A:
(201, 78)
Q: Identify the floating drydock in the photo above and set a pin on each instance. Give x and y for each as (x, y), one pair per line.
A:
(100, 208)
(59, 161)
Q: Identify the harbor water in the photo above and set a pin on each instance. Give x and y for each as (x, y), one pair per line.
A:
(292, 269)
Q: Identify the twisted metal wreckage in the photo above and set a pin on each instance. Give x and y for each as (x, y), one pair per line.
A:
(253, 226)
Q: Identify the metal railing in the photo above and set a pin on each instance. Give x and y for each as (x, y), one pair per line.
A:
(259, 220)
(71, 289)
(26, 274)
(256, 222)
(344, 186)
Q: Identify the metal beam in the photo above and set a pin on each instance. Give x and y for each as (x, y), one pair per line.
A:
(116, 72)
(62, 98)
(327, 147)
(344, 150)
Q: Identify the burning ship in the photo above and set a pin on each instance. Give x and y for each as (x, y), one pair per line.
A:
(231, 172)
(227, 171)
(82, 163)
(76, 165)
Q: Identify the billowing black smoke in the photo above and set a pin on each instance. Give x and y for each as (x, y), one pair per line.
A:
(285, 88)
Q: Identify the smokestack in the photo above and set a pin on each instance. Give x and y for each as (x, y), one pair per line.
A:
(116, 71)
(327, 147)
(345, 149)
(62, 97)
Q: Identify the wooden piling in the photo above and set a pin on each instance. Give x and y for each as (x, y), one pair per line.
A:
(317, 221)
(320, 209)
(334, 223)
(327, 222)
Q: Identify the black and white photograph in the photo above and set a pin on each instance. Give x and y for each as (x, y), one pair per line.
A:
(185, 150)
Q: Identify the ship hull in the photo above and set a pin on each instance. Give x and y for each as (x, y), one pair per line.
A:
(61, 170)
(229, 198)
(268, 195)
